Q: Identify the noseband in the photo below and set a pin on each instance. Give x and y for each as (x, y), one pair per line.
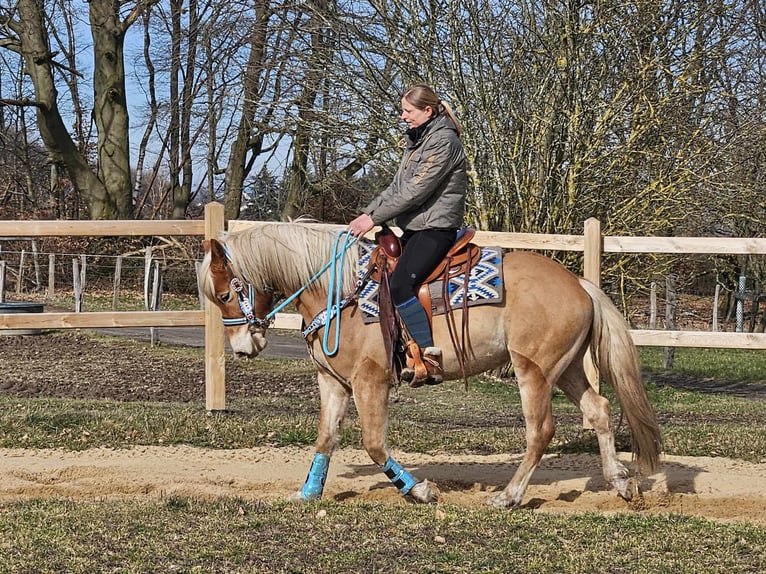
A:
(247, 302)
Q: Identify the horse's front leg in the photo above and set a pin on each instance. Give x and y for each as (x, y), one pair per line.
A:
(334, 404)
(371, 389)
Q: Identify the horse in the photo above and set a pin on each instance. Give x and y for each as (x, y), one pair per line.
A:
(546, 322)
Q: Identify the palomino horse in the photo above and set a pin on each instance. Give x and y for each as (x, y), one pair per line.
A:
(546, 323)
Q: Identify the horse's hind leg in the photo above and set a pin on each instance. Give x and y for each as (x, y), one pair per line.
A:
(597, 412)
(371, 389)
(334, 404)
(536, 394)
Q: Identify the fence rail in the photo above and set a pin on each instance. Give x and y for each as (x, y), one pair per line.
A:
(592, 244)
(98, 319)
(114, 228)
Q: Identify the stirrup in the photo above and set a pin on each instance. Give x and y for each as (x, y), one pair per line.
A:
(423, 366)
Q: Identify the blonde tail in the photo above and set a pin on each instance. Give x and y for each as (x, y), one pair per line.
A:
(615, 355)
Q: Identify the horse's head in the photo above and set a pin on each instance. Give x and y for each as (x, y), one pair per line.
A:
(244, 310)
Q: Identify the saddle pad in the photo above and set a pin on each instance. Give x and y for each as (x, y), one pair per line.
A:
(485, 284)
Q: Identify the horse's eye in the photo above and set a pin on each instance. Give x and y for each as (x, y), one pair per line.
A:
(225, 297)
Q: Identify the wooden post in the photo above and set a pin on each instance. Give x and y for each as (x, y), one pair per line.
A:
(83, 271)
(215, 360)
(200, 295)
(653, 306)
(20, 276)
(2, 281)
(36, 263)
(51, 276)
(76, 285)
(670, 318)
(117, 280)
(592, 272)
(716, 297)
(592, 251)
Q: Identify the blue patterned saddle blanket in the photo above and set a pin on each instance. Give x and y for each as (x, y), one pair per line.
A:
(485, 285)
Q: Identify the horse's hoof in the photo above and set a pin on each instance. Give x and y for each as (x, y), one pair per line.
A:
(627, 488)
(296, 496)
(502, 501)
(424, 492)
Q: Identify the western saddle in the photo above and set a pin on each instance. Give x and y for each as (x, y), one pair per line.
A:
(458, 261)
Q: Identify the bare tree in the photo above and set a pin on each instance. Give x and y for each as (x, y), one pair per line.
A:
(107, 187)
(647, 115)
(249, 137)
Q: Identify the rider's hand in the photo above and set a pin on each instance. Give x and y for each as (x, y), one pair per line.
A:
(361, 225)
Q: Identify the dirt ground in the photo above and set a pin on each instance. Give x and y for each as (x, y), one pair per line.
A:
(716, 488)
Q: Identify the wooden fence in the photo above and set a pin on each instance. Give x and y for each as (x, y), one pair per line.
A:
(592, 244)
(213, 223)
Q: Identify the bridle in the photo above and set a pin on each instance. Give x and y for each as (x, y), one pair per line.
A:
(249, 303)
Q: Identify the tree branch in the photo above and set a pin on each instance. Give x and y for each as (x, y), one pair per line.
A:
(24, 102)
(135, 14)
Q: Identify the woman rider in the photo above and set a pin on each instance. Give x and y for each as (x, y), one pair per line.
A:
(426, 199)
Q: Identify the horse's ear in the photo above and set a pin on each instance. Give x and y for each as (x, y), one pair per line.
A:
(217, 253)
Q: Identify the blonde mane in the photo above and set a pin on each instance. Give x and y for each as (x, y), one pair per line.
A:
(284, 256)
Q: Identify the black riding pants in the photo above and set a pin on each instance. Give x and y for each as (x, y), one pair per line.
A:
(422, 251)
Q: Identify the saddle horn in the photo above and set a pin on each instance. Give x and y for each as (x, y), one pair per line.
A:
(388, 242)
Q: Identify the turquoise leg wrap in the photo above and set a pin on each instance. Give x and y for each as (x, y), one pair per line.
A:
(314, 485)
(414, 316)
(402, 479)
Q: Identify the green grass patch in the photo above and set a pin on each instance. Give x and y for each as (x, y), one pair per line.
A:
(723, 364)
(235, 536)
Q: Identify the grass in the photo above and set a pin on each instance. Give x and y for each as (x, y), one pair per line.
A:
(484, 419)
(717, 364)
(179, 534)
(99, 299)
(230, 536)
(134, 535)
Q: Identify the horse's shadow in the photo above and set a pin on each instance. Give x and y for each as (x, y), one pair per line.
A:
(459, 477)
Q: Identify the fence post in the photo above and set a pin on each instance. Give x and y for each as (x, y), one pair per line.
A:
(592, 272)
(716, 297)
(671, 298)
(20, 276)
(117, 281)
(36, 263)
(51, 276)
(215, 369)
(77, 285)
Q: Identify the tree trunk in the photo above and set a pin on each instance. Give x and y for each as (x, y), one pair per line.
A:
(182, 192)
(38, 59)
(298, 189)
(110, 108)
(247, 140)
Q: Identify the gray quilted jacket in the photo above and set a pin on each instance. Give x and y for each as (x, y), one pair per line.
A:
(429, 188)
